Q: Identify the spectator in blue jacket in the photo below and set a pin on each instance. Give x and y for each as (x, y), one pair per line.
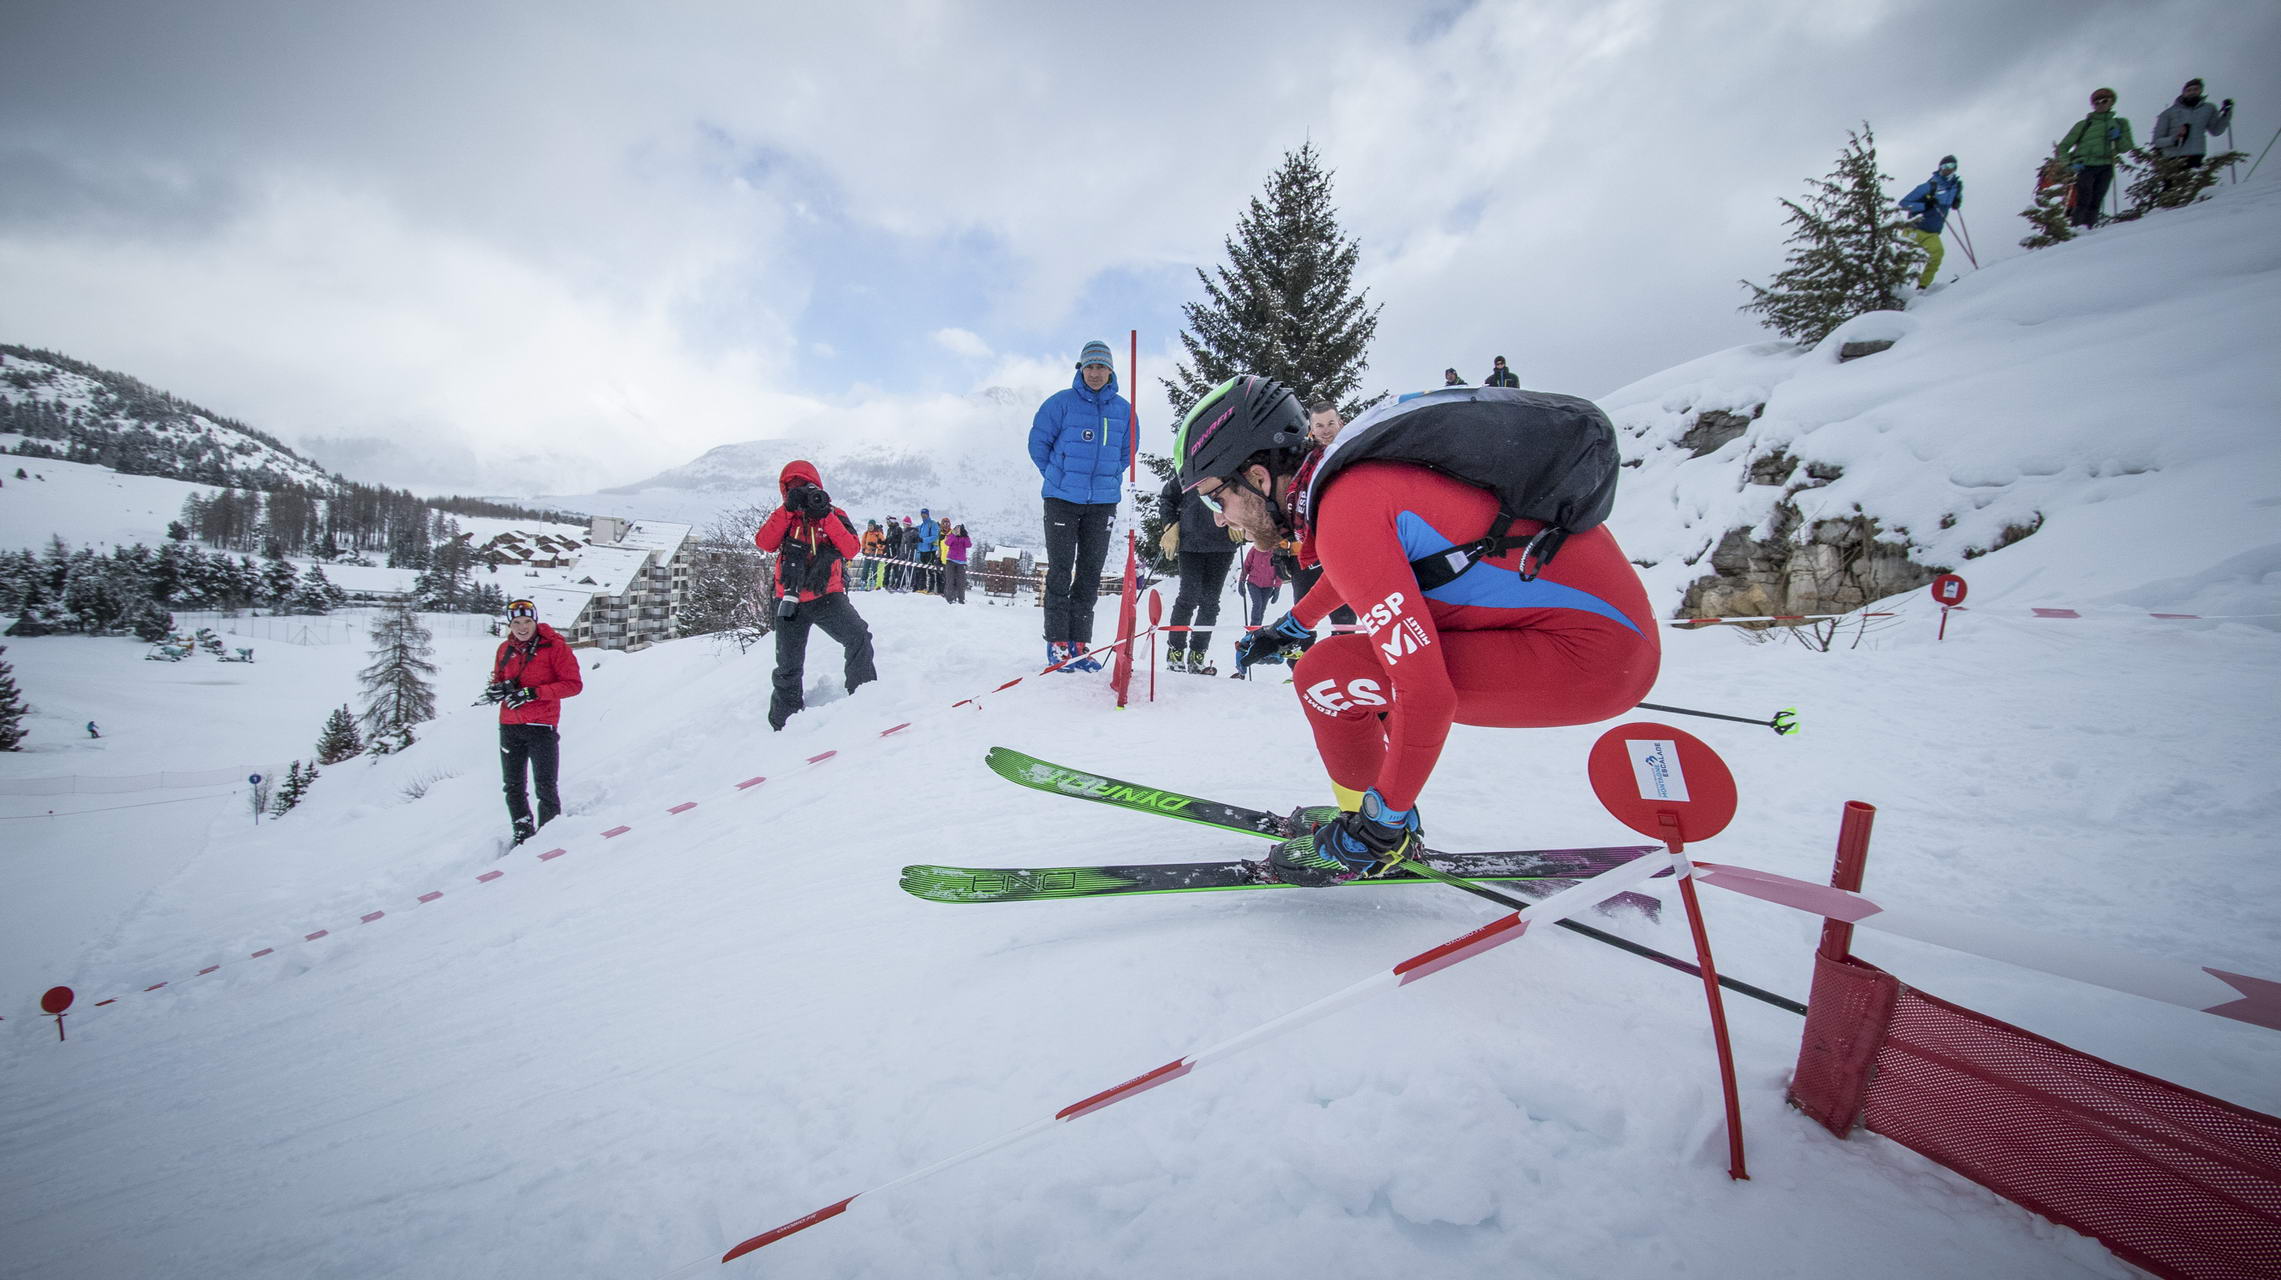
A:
(1931, 202)
(1081, 442)
(930, 538)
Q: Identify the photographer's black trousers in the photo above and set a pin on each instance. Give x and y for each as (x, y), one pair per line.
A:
(841, 622)
(537, 750)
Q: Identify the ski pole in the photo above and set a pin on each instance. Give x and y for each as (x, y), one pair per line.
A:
(1964, 237)
(1735, 985)
(2262, 154)
(1784, 721)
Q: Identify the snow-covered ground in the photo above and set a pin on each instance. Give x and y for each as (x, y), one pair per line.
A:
(628, 1057)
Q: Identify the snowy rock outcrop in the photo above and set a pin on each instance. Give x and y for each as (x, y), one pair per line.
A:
(2067, 409)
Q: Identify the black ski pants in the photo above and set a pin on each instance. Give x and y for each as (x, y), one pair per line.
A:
(1076, 544)
(1203, 579)
(839, 620)
(2090, 193)
(535, 750)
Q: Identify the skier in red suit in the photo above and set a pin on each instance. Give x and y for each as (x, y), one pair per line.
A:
(1541, 630)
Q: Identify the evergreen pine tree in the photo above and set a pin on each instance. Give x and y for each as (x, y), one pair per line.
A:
(277, 577)
(2048, 213)
(289, 792)
(1284, 305)
(1850, 257)
(396, 692)
(339, 740)
(13, 708)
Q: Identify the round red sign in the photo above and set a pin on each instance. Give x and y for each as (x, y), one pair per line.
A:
(1662, 782)
(56, 1000)
(1948, 589)
(1155, 607)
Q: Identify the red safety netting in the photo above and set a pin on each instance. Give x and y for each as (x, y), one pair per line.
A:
(2175, 1181)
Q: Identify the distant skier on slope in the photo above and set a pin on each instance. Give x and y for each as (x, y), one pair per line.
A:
(1541, 624)
(1932, 201)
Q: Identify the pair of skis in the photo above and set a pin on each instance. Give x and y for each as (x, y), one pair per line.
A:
(1536, 870)
(1030, 884)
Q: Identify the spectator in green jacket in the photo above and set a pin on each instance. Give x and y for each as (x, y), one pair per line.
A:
(2091, 149)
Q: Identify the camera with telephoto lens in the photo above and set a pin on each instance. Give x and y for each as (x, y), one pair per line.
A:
(809, 500)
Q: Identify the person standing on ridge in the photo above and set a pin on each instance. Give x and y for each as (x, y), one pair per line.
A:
(1081, 441)
(533, 671)
(1476, 614)
(1500, 376)
(2091, 149)
(1931, 201)
(813, 541)
(2182, 132)
(1449, 378)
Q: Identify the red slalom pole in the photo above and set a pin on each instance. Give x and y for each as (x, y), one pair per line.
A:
(1733, 1095)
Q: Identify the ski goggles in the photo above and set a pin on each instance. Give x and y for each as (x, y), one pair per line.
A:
(522, 609)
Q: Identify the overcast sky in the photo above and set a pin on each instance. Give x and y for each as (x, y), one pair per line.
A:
(548, 247)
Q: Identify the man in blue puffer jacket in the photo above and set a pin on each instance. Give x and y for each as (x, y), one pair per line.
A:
(1931, 202)
(1081, 441)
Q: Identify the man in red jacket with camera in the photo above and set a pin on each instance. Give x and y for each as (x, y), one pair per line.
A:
(813, 541)
(532, 673)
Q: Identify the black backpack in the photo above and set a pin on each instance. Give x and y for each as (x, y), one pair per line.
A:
(1546, 457)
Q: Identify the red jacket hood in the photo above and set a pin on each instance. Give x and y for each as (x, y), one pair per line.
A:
(797, 472)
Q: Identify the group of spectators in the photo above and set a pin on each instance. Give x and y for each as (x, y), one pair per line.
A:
(1499, 376)
(2098, 140)
(926, 556)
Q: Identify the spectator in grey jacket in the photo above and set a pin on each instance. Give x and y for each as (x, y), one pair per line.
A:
(2182, 130)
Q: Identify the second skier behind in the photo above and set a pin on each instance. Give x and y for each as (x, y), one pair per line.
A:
(1497, 600)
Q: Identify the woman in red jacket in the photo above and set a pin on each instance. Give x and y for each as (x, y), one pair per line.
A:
(813, 541)
(532, 673)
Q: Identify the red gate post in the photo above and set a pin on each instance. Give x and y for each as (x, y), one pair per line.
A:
(53, 1002)
(1669, 785)
(1845, 873)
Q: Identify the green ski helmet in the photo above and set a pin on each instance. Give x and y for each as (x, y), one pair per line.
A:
(1234, 420)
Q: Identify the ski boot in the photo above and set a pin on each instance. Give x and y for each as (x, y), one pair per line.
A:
(1056, 653)
(1199, 665)
(1176, 659)
(1306, 818)
(1370, 843)
(1083, 663)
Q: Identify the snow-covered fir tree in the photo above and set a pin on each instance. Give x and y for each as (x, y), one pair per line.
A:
(396, 692)
(1284, 304)
(292, 789)
(1849, 256)
(278, 580)
(316, 593)
(13, 708)
(339, 740)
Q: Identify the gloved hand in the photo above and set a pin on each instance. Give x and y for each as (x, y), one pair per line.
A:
(811, 501)
(495, 692)
(1284, 639)
(521, 695)
(2076, 166)
(2228, 104)
(1169, 541)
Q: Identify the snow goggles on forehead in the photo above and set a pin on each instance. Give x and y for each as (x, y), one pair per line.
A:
(522, 609)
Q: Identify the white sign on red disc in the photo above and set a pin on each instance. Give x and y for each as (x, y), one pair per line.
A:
(1948, 589)
(1662, 782)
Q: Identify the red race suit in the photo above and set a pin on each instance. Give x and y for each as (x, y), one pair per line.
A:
(1574, 645)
